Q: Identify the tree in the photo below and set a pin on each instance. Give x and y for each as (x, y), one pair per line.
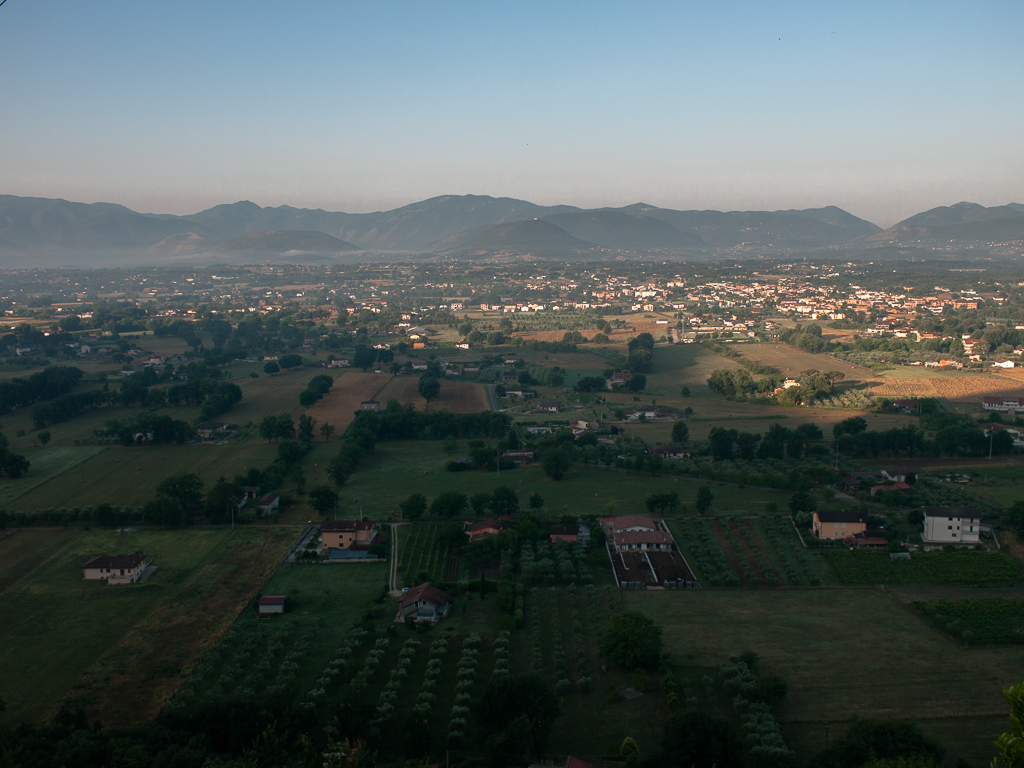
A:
(219, 500)
(428, 387)
(451, 445)
(449, 504)
(1011, 743)
(291, 361)
(413, 506)
(504, 501)
(184, 487)
(637, 383)
(771, 689)
(327, 429)
(555, 462)
(680, 433)
(879, 739)
(480, 501)
(364, 357)
(44, 437)
(536, 502)
(704, 499)
(323, 499)
(306, 424)
(514, 706)
(633, 640)
(271, 367)
(106, 516)
(164, 510)
(696, 738)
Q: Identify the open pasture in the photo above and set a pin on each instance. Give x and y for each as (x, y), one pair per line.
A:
(399, 468)
(455, 396)
(127, 476)
(679, 365)
(817, 640)
(121, 649)
(339, 406)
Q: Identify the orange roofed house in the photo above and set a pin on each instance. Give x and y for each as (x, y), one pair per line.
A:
(347, 534)
(838, 525)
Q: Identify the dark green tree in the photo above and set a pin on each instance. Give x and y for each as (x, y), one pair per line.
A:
(704, 499)
(323, 499)
(413, 506)
(633, 640)
(555, 462)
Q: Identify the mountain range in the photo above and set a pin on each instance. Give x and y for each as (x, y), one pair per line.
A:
(46, 232)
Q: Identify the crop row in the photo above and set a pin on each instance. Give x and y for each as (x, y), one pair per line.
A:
(707, 554)
(965, 567)
(464, 685)
(990, 621)
(781, 539)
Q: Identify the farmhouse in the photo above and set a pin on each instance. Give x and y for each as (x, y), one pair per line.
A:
(209, 429)
(271, 604)
(269, 503)
(671, 452)
(951, 525)
(548, 405)
(633, 523)
(485, 528)
(642, 540)
(838, 525)
(116, 569)
(424, 603)
(370, 405)
(1000, 403)
(347, 534)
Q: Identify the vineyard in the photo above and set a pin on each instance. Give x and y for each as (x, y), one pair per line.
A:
(964, 568)
(991, 621)
(422, 552)
(704, 553)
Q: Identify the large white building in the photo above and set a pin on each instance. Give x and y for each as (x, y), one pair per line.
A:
(952, 525)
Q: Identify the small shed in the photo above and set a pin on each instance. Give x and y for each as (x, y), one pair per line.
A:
(271, 604)
(269, 503)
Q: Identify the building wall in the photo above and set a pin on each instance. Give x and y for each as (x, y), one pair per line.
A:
(952, 530)
(837, 530)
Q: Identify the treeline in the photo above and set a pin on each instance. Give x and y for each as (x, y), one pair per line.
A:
(318, 387)
(404, 422)
(68, 406)
(151, 429)
(641, 353)
(47, 384)
(807, 338)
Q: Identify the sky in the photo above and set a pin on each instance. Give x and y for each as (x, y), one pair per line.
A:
(882, 108)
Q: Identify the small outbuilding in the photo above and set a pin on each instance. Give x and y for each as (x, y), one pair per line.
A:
(271, 604)
(269, 503)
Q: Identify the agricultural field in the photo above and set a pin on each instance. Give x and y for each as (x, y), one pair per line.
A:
(801, 633)
(985, 621)
(124, 476)
(455, 396)
(65, 637)
(790, 361)
(420, 551)
(399, 468)
(339, 406)
(963, 568)
(953, 387)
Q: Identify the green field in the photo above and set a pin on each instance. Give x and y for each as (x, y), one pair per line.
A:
(398, 468)
(963, 568)
(61, 630)
(991, 621)
(824, 641)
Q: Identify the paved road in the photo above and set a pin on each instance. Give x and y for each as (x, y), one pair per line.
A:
(492, 400)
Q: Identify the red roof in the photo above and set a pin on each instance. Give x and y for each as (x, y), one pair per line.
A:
(345, 525)
(272, 600)
(629, 521)
(428, 592)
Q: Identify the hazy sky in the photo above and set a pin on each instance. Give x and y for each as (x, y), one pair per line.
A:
(883, 108)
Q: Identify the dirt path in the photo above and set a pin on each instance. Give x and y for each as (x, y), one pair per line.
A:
(730, 555)
(748, 553)
(764, 552)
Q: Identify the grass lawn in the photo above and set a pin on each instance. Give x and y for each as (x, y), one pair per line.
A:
(62, 630)
(844, 653)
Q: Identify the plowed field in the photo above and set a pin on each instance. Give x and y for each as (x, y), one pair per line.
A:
(455, 396)
(339, 406)
(949, 387)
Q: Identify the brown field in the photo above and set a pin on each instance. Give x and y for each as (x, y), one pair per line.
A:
(963, 387)
(339, 406)
(455, 396)
(790, 360)
(1011, 373)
